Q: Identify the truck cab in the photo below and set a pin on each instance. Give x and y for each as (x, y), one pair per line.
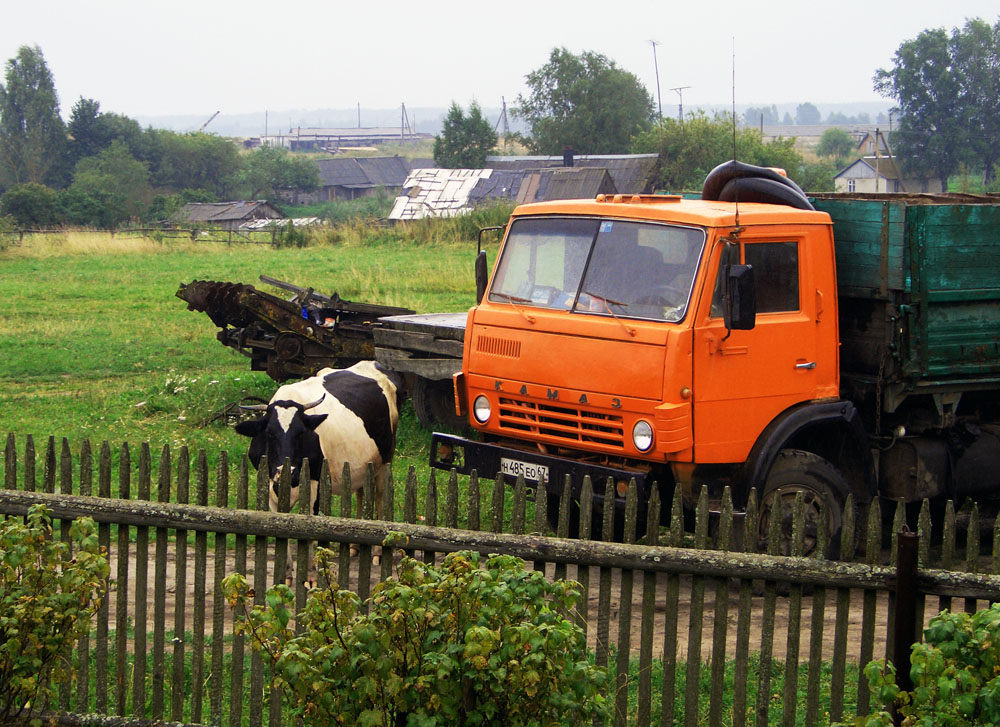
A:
(656, 339)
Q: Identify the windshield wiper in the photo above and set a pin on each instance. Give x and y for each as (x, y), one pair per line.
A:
(608, 302)
(514, 300)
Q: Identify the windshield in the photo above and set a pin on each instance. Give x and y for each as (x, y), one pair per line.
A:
(599, 266)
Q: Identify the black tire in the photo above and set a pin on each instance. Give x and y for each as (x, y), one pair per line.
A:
(824, 490)
(766, 191)
(724, 173)
(434, 403)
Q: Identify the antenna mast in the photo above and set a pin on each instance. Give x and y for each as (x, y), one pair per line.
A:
(656, 67)
(680, 102)
(737, 220)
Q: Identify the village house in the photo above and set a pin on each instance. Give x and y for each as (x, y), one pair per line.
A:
(877, 171)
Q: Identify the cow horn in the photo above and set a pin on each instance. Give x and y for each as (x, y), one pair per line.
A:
(253, 407)
(307, 407)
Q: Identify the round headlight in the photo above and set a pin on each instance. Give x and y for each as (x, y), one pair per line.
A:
(481, 409)
(642, 435)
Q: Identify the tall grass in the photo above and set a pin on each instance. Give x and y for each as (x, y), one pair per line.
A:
(344, 211)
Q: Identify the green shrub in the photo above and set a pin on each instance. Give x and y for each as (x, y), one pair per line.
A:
(955, 672)
(46, 603)
(454, 644)
(31, 205)
(291, 236)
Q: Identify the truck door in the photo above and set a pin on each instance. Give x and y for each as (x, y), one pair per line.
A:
(743, 380)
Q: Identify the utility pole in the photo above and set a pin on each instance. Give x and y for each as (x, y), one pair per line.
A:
(404, 124)
(656, 67)
(503, 120)
(680, 102)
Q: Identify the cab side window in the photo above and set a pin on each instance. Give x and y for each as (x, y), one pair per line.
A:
(776, 270)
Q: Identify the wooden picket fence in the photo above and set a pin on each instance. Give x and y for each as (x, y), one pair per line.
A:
(696, 627)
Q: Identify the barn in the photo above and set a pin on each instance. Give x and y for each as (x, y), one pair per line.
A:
(354, 177)
(225, 215)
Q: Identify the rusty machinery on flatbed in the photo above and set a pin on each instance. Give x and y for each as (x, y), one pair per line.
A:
(288, 338)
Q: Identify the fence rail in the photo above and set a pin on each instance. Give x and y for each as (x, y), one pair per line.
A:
(675, 618)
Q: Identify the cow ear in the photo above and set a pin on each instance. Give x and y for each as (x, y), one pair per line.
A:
(313, 420)
(251, 427)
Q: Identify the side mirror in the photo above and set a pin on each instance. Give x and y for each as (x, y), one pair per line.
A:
(482, 272)
(482, 276)
(740, 312)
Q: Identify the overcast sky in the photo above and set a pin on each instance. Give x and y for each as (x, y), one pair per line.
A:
(145, 58)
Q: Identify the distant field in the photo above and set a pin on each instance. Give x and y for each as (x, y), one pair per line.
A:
(94, 344)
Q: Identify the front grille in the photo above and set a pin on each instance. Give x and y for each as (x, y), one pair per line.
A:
(562, 422)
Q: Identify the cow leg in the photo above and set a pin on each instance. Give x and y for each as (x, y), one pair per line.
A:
(379, 515)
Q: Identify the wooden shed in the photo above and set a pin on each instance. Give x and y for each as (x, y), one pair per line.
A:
(225, 215)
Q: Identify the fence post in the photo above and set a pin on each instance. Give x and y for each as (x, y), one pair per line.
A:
(905, 609)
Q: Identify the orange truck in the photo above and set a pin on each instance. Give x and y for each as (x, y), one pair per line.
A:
(753, 338)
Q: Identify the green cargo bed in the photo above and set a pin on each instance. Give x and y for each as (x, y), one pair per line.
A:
(918, 278)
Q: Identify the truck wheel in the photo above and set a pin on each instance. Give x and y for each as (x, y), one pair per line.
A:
(824, 491)
(434, 404)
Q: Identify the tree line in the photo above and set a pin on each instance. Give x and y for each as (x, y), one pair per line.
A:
(947, 86)
(588, 104)
(101, 169)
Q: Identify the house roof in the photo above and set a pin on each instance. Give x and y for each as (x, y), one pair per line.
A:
(358, 172)
(574, 183)
(630, 172)
(436, 193)
(864, 168)
(385, 171)
(225, 211)
(341, 172)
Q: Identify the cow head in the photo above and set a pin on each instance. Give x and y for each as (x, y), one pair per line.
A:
(285, 431)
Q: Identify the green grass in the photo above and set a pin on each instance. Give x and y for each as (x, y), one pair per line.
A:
(94, 344)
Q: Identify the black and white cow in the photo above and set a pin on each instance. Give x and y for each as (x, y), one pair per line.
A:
(340, 415)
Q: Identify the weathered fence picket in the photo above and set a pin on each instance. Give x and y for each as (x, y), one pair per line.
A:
(178, 690)
(697, 587)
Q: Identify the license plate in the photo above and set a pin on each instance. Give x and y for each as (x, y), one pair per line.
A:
(530, 470)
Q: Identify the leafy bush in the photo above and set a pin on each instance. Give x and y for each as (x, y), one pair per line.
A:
(291, 236)
(955, 672)
(46, 603)
(31, 205)
(451, 645)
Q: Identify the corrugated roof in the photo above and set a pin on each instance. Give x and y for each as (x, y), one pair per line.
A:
(358, 172)
(501, 184)
(341, 172)
(225, 211)
(631, 173)
(385, 171)
(574, 183)
(436, 193)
